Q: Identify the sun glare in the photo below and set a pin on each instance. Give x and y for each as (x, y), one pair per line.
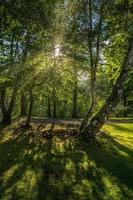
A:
(57, 50)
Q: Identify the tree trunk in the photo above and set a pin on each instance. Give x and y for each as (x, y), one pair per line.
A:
(23, 111)
(93, 60)
(6, 118)
(2, 100)
(75, 96)
(125, 104)
(54, 108)
(99, 119)
(65, 107)
(7, 112)
(49, 107)
(30, 109)
(88, 115)
(74, 111)
(54, 99)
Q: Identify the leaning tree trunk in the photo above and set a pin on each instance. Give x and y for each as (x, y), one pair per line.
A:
(99, 119)
(30, 109)
(124, 98)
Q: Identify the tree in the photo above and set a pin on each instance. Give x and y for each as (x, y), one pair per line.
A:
(29, 115)
(22, 28)
(64, 51)
(75, 94)
(23, 109)
(99, 119)
(94, 47)
(7, 110)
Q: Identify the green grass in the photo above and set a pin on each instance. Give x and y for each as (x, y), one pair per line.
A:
(33, 168)
(121, 118)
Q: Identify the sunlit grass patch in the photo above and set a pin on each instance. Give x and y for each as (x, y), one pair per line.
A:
(33, 167)
(122, 132)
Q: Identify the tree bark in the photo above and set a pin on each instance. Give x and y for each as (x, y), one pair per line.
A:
(49, 107)
(54, 101)
(124, 98)
(91, 130)
(75, 96)
(7, 112)
(54, 108)
(93, 60)
(2, 100)
(30, 109)
(74, 111)
(23, 111)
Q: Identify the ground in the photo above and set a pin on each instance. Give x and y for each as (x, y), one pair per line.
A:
(37, 166)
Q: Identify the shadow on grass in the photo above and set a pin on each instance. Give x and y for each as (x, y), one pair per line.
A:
(115, 159)
(32, 167)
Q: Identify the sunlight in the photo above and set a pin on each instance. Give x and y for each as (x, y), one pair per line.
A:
(66, 100)
(57, 51)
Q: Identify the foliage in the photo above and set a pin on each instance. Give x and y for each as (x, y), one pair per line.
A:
(44, 47)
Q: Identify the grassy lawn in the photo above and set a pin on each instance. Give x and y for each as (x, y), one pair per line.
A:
(33, 168)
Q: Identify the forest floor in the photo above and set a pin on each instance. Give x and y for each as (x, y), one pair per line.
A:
(62, 166)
